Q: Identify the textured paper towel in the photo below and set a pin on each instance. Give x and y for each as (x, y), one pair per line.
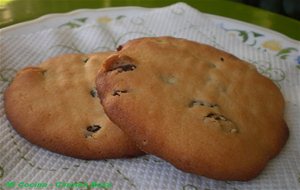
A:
(21, 161)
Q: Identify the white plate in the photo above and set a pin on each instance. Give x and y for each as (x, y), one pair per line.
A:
(31, 43)
(268, 40)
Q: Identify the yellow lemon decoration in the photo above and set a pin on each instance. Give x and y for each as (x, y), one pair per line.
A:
(272, 45)
(104, 20)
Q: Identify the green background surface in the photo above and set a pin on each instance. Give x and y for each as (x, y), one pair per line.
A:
(16, 11)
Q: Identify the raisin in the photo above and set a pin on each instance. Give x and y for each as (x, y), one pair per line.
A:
(93, 128)
(119, 48)
(224, 124)
(127, 67)
(94, 93)
(121, 64)
(216, 116)
(201, 103)
(86, 60)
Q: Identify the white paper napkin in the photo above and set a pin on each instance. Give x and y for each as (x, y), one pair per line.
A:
(21, 161)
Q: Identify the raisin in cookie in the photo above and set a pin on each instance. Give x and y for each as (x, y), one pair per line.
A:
(202, 109)
(55, 106)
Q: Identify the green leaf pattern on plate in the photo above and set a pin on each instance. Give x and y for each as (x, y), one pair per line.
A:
(283, 53)
(75, 23)
(247, 37)
(261, 42)
(251, 38)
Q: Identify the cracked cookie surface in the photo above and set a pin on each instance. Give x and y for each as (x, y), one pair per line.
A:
(200, 108)
(55, 105)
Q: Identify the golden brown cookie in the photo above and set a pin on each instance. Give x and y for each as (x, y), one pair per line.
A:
(55, 105)
(200, 108)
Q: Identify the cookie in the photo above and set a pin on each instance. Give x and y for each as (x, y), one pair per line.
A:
(200, 108)
(55, 105)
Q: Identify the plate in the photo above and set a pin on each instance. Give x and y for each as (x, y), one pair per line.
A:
(265, 39)
(104, 29)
